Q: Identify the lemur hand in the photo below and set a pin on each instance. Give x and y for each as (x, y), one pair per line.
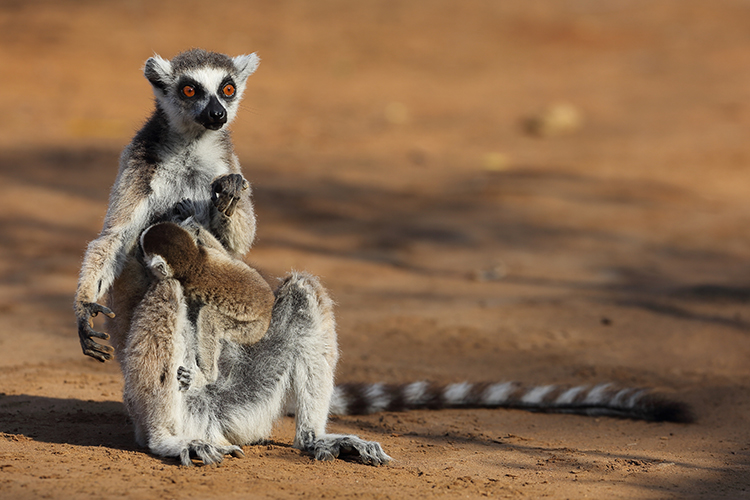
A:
(184, 210)
(86, 311)
(226, 191)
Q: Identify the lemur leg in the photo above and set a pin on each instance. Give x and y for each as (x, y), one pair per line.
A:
(154, 351)
(313, 374)
(150, 363)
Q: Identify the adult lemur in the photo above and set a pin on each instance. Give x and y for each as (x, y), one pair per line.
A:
(181, 163)
(182, 153)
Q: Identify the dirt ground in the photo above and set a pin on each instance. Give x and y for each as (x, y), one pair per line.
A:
(392, 152)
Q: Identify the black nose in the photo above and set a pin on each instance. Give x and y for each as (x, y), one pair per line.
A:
(214, 115)
(218, 114)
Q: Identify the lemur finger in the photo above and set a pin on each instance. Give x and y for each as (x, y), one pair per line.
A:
(97, 356)
(208, 453)
(100, 335)
(211, 456)
(184, 209)
(98, 352)
(237, 452)
(221, 201)
(95, 309)
(89, 344)
(374, 454)
(324, 455)
(231, 206)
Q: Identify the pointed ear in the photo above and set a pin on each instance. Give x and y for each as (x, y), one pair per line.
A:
(158, 71)
(246, 65)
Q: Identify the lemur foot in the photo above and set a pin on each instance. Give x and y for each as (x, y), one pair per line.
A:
(185, 378)
(86, 312)
(331, 446)
(208, 453)
(226, 192)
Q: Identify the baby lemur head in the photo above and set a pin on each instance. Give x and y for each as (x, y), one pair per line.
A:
(170, 251)
(199, 90)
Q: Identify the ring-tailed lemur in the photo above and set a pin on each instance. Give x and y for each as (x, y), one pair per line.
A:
(294, 361)
(177, 408)
(183, 157)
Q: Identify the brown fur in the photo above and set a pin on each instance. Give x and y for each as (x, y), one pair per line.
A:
(235, 301)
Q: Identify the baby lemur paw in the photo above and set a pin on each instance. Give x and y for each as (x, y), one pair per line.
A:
(226, 192)
(185, 378)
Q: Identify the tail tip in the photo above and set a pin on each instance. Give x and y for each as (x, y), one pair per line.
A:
(667, 410)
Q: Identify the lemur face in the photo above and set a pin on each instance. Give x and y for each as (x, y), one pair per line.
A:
(200, 90)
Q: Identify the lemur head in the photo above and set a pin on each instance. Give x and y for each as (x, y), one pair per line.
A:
(170, 251)
(199, 90)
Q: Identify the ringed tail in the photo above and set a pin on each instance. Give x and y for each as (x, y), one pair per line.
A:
(597, 400)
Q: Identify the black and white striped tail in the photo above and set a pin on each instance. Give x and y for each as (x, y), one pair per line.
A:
(602, 399)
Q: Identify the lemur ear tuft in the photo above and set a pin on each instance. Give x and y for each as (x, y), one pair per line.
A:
(158, 71)
(246, 65)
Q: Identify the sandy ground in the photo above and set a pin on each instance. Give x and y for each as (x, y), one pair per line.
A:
(389, 150)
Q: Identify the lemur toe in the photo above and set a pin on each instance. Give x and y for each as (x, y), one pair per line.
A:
(185, 458)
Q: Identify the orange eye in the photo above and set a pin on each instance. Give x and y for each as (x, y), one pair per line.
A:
(228, 90)
(188, 91)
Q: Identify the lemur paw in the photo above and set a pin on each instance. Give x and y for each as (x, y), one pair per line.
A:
(185, 378)
(184, 210)
(226, 192)
(208, 453)
(332, 446)
(86, 311)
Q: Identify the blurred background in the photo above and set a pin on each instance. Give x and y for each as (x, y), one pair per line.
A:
(520, 151)
(534, 189)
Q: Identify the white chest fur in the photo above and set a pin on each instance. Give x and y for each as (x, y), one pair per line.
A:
(187, 173)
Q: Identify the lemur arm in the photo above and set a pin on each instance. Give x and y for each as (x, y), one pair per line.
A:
(127, 215)
(233, 217)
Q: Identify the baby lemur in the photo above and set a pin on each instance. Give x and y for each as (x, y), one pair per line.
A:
(228, 300)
